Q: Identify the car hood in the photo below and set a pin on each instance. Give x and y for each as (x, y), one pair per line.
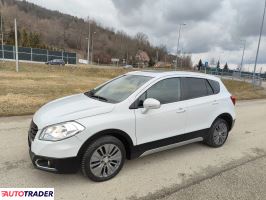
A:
(70, 108)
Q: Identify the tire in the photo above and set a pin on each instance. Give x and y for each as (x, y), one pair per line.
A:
(103, 159)
(218, 133)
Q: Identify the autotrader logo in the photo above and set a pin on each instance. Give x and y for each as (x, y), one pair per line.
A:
(27, 193)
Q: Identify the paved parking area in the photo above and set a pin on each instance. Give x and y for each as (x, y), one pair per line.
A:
(189, 170)
(246, 181)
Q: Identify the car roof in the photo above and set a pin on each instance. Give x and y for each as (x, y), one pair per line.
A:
(161, 74)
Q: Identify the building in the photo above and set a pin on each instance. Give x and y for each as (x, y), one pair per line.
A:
(142, 59)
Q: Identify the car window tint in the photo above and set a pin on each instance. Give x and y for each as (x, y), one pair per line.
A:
(209, 88)
(194, 88)
(215, 86)
(165, 91)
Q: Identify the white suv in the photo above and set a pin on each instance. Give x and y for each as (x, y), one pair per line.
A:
(130, 116)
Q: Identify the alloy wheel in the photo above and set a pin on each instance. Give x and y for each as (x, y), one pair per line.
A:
(105, 160)
(220, 133)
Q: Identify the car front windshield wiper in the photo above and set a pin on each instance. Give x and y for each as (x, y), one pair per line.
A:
(99, 97)
(92, 95)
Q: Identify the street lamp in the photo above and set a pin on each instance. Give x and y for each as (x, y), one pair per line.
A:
(261, 29)
(88, 53)
(89, 38)
(177, 48)
(244, 48)
(92, 46)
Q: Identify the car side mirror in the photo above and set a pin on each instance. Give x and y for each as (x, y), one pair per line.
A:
(151, 103)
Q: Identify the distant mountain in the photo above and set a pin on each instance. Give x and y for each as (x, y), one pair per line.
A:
(40, 27)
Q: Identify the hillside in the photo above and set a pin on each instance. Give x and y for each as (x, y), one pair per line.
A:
(61, 31)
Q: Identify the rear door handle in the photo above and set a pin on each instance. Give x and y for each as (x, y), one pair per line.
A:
(180, 110)
(215, 102)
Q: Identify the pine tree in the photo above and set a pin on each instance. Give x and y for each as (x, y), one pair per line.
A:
(151, 63)
(31, 39)
(200, 65)
(226, 68)
(36, 40)
(25, 38)
(11, 37)
(218, 64)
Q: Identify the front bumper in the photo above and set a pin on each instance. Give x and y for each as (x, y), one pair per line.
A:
(62, 165)
(66, 148)
(58, 157)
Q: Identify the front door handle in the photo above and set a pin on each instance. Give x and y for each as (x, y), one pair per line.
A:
(181, 110)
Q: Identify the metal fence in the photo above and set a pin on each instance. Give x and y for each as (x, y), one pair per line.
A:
(35, 54)
(235, 74)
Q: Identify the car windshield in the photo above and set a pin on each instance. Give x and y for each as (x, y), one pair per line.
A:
(118, 89)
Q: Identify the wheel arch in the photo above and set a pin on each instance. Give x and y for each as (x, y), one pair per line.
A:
(228, 118)
(119, 134)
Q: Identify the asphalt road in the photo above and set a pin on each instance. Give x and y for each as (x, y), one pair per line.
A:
(246, 181)
(235, 171)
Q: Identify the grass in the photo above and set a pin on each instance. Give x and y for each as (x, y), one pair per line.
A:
(36, 84)
(24, 92)
(244, 90)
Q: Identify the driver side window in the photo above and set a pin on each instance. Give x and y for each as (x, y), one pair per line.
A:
(165, 91)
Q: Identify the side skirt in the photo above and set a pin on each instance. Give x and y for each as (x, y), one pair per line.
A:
(168, 143)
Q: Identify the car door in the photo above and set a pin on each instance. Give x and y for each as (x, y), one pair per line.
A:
(200, 101)
(168, 120)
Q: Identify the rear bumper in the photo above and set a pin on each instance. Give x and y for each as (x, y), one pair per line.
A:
(62, 165)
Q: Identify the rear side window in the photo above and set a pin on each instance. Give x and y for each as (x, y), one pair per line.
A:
(215, 86)
(195, 87)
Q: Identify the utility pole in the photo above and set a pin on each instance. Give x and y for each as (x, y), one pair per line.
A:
(243, 53)
(256, 60)
(127, 57)
(181, 52)
(89, 38)
(92, 46)
(177, 48)
(2, 38)
(16, 44)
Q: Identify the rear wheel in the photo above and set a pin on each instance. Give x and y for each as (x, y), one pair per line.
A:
(218, 133)
(103, 159)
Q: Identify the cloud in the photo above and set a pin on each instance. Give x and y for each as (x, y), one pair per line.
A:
(189, 10)
(249, 16)
(126, 7)
(211, 24)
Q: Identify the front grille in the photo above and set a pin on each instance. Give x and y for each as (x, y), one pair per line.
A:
(33, 130)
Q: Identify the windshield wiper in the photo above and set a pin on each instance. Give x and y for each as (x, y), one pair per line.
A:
(92, 95)
(98, 97)
(89, 93)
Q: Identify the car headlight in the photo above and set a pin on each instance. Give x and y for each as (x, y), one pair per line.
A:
(61, 131)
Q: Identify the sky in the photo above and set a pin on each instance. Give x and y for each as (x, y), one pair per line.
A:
(215, 29)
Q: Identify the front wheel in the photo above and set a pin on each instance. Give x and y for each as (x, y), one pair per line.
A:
(103, 159)
(218, 133)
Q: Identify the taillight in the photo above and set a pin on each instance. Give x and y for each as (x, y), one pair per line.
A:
(233, 98)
